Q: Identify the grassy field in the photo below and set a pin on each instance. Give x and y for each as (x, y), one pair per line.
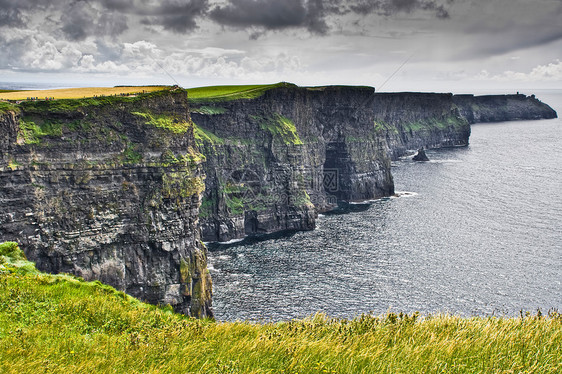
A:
(78, 93)
(58, 324)
(225, 93)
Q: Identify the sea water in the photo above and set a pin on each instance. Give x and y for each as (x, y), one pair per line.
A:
(478, 232)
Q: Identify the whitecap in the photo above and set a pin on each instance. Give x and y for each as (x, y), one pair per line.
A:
(398, 194)
(232, 241)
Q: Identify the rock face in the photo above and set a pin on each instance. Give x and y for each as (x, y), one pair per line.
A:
(109, 189)
(412, 121)
(275, 161)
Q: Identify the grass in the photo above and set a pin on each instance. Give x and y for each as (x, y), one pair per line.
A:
(30, 132)
(227, 93)
(170, 123)
(203, 136)
(60, 324)
(209, 110)
(78, 93)
(280, 127)
(6, 106)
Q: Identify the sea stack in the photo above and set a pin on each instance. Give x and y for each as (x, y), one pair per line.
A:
(420, 156)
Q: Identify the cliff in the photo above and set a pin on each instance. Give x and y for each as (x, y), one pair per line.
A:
(273, 162)
(497, 108)
(277, 155)
(124, 189)
(410, 121)
(108, 189)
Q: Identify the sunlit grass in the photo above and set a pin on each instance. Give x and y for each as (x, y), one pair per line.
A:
(78, 93)
(225, 93)
(59, 324)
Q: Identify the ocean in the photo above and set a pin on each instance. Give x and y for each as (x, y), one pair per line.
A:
(476, 232)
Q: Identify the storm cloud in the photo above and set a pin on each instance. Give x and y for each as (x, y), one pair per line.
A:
(318, 40)
(313, 14)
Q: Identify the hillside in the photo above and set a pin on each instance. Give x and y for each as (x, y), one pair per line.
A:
(61, 324)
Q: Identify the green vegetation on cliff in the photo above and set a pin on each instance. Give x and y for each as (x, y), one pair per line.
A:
(60, 324)
(449, 122)
(280, 127)
(71, 105)
(7, 107)
(170, 123)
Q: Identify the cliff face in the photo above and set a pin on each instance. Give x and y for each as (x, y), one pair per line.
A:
(273, 162)
(411, 121)
(496, 108)
(109, 189)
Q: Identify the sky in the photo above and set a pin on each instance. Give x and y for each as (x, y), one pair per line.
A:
(394, 45)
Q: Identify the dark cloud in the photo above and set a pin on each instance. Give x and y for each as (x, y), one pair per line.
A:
(392, 7)
(270, 14)
(12, 12)
(11, 18)
(176, 16)
(80, 20)
(312, 14)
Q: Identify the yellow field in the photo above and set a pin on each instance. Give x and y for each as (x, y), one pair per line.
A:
(78, 93)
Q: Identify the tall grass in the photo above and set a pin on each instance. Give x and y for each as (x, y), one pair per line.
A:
(58, 324)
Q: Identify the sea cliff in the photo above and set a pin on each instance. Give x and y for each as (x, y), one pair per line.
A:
(126, 189)
(277, 156)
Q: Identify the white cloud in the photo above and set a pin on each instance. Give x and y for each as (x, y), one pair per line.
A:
(550, 72)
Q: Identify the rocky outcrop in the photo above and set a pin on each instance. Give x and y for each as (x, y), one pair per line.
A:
(420, 156)
(109, 189)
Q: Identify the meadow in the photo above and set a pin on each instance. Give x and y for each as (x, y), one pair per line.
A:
(78, 93)
(227, 93)
(61, 324)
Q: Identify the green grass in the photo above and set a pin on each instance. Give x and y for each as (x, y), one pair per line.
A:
(170, 123)
(209, 110)
(30, 132)
(228, 93)
(433, 123)
(203, 136)
(280, 127)
(65, 105)
(59, 324)
(8, 107)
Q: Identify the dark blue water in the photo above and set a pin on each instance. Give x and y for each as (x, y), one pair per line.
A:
(480, 234)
